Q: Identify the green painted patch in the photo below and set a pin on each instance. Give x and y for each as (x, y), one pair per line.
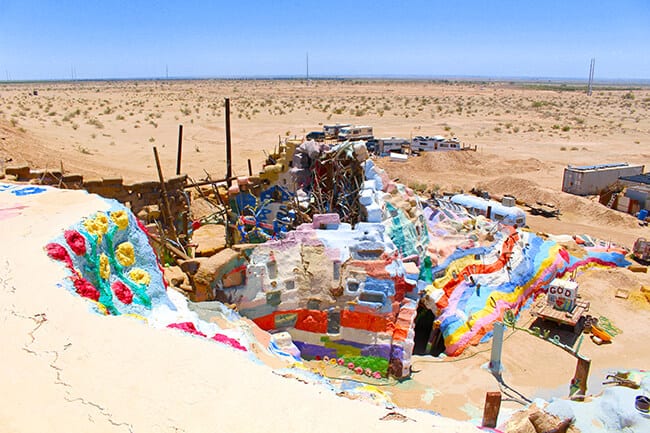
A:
(374, 363)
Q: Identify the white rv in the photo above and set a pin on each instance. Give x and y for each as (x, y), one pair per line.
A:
(355, 133)
(332, 131)
(437, 142)
(392, 144)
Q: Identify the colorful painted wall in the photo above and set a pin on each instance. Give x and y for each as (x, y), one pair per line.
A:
(474, 283)
(340, 292)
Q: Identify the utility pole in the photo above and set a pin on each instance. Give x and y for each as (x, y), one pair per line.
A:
(228, 145)
(591, 76)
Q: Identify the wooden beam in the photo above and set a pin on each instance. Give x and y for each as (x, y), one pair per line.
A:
(578, 387)
(491, 409)
(207, 182)
(166, 244)
(167, 214)
(180, 150)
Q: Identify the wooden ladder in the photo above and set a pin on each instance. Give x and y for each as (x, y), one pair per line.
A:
(611, 201)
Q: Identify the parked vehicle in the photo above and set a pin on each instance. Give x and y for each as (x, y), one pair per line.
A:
(332, 131)
(435, 143)
(393, 144)
(355, 133)
(641, 250)
(316, 136)
(510, 215)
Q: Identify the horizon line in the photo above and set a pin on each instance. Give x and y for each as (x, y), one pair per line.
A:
(344, 77)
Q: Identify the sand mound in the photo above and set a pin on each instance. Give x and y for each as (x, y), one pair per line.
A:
(473, 163)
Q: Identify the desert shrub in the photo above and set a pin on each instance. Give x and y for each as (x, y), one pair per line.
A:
(95, 122)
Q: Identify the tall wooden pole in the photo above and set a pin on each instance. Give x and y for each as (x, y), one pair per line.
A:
(167, 214)
(180, 150)
(228, 144)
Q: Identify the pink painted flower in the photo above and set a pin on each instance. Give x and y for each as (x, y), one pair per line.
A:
(341, 361)
(86, 289)
(367, 372)
(76, 241)
(351, 365)
(358, 370)
(376, 375)
(122, 292)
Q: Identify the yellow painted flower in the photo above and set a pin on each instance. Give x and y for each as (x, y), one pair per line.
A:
(104, 267)
(140, 276)
(120, 218)
(97, 226)
(125, 254)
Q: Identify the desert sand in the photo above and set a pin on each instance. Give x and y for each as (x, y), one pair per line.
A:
(525, 135)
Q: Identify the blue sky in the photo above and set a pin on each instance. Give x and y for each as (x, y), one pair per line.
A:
(134, 38)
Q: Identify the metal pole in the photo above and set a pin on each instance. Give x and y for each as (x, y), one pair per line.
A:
(228, 144)
(497, 345)
(180, 149)
(250, 168)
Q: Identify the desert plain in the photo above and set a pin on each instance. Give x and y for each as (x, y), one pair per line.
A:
(525, 135)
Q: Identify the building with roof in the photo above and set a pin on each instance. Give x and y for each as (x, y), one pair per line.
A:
(637, 190)
(593, 179)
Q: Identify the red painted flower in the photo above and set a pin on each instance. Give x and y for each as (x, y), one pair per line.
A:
(58, 252)
(122, 292)
(187, 327)
(76, 241)
(86, 289)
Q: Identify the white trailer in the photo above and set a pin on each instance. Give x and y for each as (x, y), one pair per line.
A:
(355, 133)
(392, 144)
(435, 143)
(332, 131)
(593, 179)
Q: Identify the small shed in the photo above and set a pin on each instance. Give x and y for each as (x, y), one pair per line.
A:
(593, 179)
(638, 189)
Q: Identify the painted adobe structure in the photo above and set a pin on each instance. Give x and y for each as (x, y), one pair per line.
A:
(353, 293)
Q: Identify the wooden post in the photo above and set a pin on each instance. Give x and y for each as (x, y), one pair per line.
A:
(228, 144)
(180, 150)
(167, 214)
(491, 409)
(250, 168)
(578, 387)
